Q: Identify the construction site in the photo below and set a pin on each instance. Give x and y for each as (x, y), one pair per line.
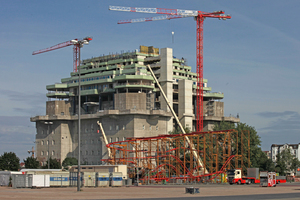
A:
(121, 109)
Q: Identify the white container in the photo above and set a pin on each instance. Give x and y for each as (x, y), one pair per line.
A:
(117, 179)
(103, 179)
(40, 181)
(89, 179)
(59, 179)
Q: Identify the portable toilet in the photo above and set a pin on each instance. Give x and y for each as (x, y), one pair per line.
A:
(59, 179)
(103, 179)
(116, 179)
(89, 179)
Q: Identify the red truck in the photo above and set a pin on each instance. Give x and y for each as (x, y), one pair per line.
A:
(253, 176)
(280, 179)
(235, 176)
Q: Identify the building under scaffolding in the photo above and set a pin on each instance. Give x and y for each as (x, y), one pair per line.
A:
(118, 91)
(168, 157)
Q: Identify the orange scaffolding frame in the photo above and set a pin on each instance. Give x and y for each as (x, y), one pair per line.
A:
(166, 157)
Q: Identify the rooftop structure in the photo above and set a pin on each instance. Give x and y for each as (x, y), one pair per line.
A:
(118, 91)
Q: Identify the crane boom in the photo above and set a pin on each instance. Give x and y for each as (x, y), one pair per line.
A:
(155, 10)
(76, 49)
(58, 46)
(148, 19)
(105, 139)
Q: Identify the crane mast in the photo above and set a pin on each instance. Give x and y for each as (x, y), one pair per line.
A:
(174, 14)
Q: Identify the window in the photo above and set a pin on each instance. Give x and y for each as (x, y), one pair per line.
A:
(99, 141)
(110, 128)
(143, 127)
(124, 127)
(110, 140)
(150, 128)
(47, 142)
(92, 141)
(124, 138)
(157, 128)
(47, 153)
(53, 142)
(42, 142)
(42, 153)
(117, 139)
(92, 127)
(86, 153)
(53, 153)
(99, 152)
(42, 131)
(92, 153)
(117, 127)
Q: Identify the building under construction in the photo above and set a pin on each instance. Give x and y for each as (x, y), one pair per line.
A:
(118, 91)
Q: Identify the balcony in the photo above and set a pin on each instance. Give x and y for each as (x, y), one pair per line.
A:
(57, 94)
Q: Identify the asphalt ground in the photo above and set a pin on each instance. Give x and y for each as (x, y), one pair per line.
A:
(289, 191)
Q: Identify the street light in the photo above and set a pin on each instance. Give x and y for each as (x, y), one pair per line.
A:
(79, 44)
(48, 123)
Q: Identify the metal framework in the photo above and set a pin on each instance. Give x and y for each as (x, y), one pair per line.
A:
(168, 157)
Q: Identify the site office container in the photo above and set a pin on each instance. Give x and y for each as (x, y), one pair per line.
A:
(89, 179)
(41, 180)
(116, 179)
(103, 179)
(60, 179)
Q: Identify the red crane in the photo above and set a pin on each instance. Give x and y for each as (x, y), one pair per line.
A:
(76, 49)
(174, 14)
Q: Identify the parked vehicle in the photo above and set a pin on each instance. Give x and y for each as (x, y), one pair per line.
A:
(235, 176)
(267, 179)
(280, 179)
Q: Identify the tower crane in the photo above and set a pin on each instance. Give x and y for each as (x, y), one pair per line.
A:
(76, 49)
(174, 14)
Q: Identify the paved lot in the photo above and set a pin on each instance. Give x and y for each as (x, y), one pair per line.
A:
(144, 192)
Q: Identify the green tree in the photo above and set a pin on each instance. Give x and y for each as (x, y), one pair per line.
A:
(31, 163)
(258, 159)
(9, 161)
(286, 162)
(54, 164)
(265, 163)
(295, 164)
(69, 162)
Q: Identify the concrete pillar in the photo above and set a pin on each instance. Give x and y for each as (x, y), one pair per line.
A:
(166, 81)
(185, 103)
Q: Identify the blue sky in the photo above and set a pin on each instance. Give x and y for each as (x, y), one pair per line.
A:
(252, 58)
